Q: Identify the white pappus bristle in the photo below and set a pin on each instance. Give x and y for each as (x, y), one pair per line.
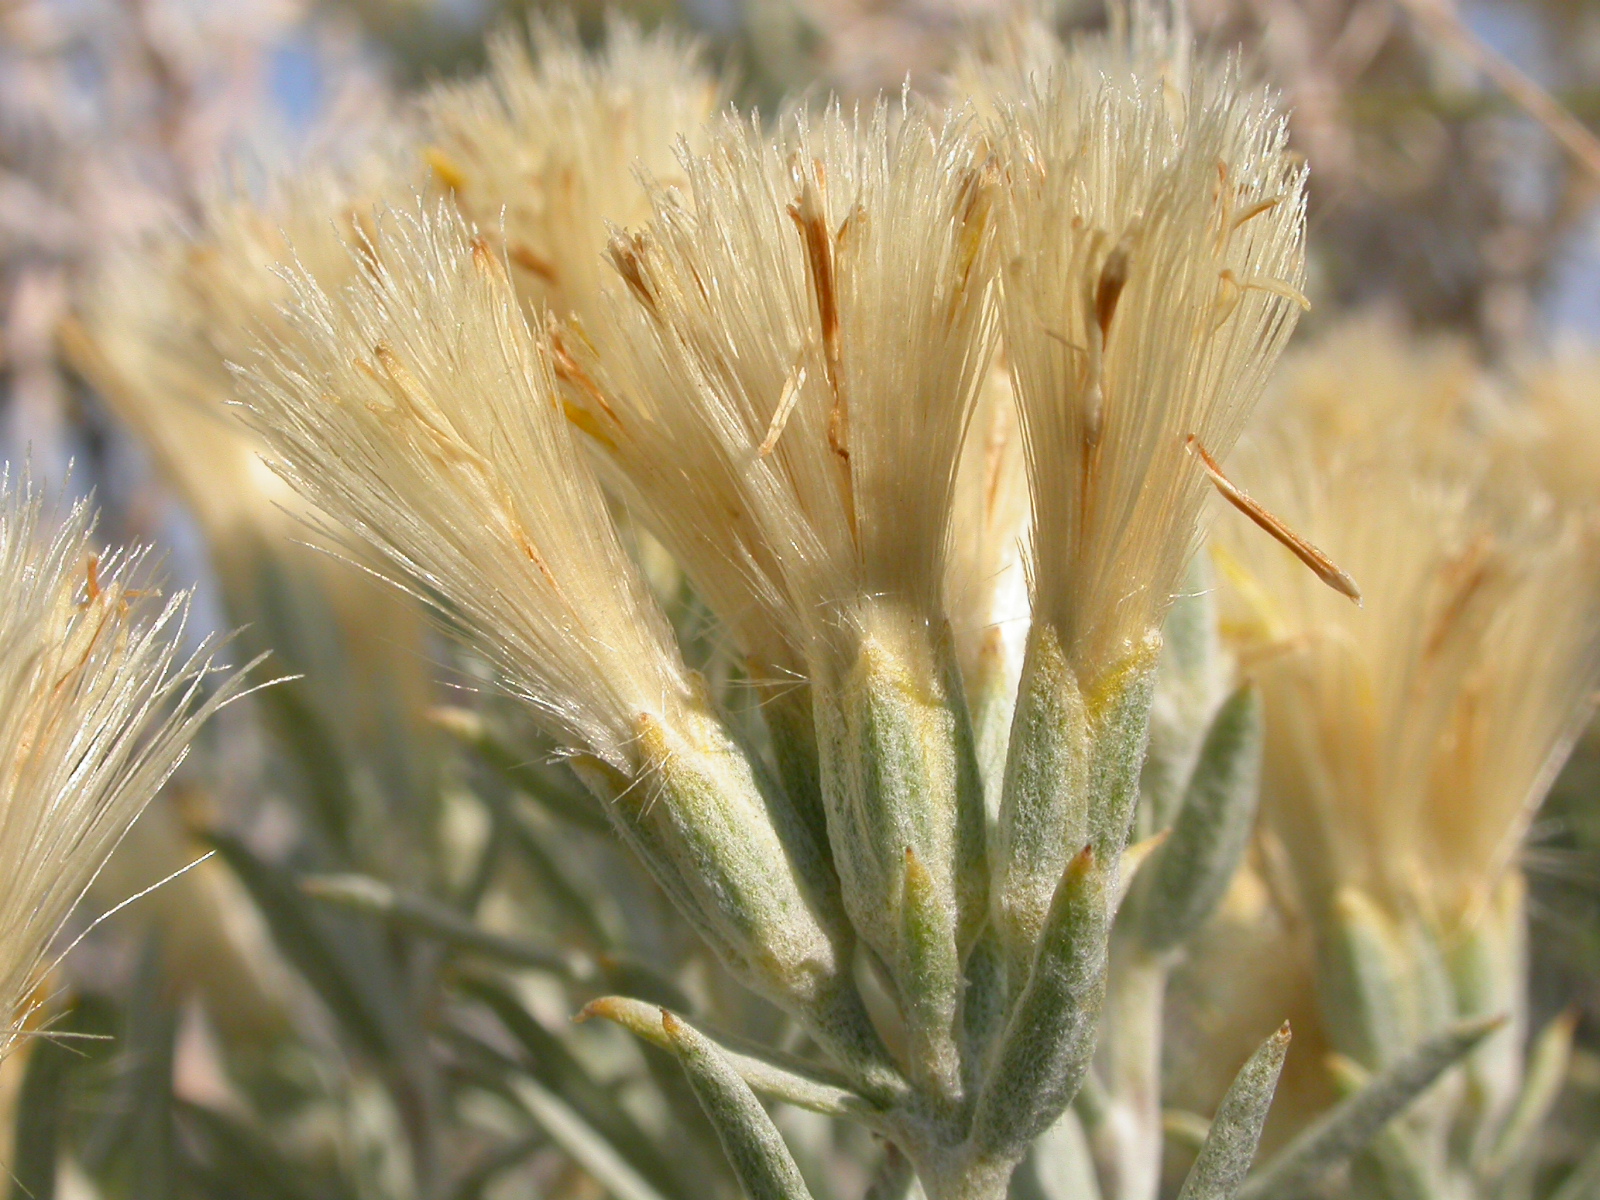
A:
(548, 147)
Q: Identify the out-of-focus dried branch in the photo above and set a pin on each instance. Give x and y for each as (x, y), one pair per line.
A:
(1440, 17)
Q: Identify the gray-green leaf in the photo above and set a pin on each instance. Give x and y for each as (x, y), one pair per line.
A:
(1189, 872)
(1349, 1128)
(1049, 1039)
(1230, 1145)
(789, 1082)
(762, 1162)
(577, 1138)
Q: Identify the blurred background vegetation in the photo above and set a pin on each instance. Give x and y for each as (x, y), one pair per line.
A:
(367, 990)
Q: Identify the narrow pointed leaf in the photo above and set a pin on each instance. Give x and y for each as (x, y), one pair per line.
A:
(586, 1147)
(787, 1082)
(1049, 1040)
(422, 915)
(346, 979)
(1350, 1128)
(557, 1068)
(762, 1162)
(150, 1044)
(324, 772)
(1547, 1073)
(1230, 1145)
(1188, 873)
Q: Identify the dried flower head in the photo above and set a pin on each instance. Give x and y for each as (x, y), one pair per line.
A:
(801, 346)
(796, 353)
(157, 334)
(416, 407)
(169, 315)
(1532, 691)
(1407, 740)
(1152, 265)
(548, 146)
(97, 708)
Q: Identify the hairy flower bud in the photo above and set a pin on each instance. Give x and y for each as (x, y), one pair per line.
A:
(1152, 254)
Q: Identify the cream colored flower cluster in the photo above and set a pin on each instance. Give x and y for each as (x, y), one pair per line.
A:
(778, 371)
(1409, 742)
(924, 401)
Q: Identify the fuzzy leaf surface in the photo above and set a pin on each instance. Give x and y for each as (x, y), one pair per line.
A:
(1350, 1127)
(1230, 1145)
(760, 1158)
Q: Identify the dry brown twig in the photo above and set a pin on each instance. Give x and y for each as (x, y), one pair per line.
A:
(1441, 19)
